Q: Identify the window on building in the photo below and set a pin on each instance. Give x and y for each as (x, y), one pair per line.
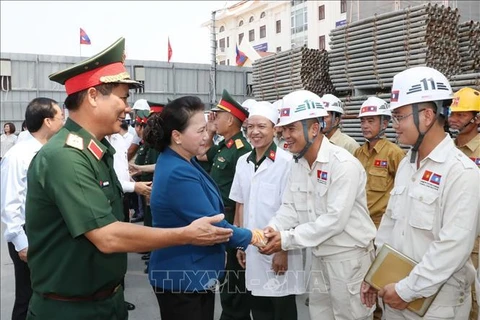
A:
(251, 35)
(221, 45)
(263, 32)
(240, 38)
(299, 20)
(228, 42)
(262, 15)
(228, 62)
(295, 2)
(343, 6)
(251, 19)
(321, 12)
(279, 26)
(240, 23)
(222, 28)
(6, 74)
(222, 62)
(321, 43)
(279, 49)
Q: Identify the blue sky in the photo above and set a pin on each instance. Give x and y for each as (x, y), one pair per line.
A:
(52, 27)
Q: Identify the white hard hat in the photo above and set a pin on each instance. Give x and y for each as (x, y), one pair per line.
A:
(264, 109)
(128, 117)
(332, 103)
(141, 104)
(301, 105)
(374, 106)
(247, 104)
(278, 104)
(419, 84)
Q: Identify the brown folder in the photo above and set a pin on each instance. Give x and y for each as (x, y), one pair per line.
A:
(392, 266)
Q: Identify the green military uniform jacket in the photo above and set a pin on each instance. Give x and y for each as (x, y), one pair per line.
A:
(146, 155)
(72, 189)
(223, 158)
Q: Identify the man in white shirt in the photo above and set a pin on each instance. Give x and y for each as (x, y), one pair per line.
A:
(432, 214)
(120, 142)
(43, 118)
(258, 185)
(324, 207)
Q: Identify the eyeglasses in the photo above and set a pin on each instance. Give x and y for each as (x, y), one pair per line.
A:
(398, 119)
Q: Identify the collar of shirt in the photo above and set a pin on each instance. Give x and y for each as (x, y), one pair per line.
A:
(104, 145)
(377, 148)
(438, 154)
(253, 155)
(323, 155)
(474, 143)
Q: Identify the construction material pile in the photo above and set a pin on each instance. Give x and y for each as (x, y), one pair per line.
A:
(367, 54)
(469, 46)
(300, 68)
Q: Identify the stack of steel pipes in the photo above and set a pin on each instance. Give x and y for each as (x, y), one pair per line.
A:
(351, 122)
(367, 54)
(459, 81)
(469, 43)
(300, 68)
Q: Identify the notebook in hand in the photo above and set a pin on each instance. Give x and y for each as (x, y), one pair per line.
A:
(392, 266)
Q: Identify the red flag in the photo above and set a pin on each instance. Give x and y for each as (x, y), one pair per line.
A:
(169, 50)
(84, 39)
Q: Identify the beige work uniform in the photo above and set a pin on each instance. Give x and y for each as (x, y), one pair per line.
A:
(342, 140)
(381, 166)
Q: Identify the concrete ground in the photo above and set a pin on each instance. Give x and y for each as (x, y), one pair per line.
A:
(138, 290)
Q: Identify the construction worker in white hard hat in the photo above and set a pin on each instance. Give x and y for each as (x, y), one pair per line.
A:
(278, 138)
(379, 157)
(431, 216)
(324, 208)
(257, 188)
(334, 107)
(464, 121)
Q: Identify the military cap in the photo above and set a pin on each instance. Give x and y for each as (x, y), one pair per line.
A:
(228, 104)
(156, 106)
(105, 67)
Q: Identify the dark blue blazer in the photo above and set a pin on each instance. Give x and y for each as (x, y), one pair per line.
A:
(182, 192)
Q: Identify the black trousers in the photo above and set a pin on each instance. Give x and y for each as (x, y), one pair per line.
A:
(23, 286)
(191, 306)
(234, 296)
(274, 308)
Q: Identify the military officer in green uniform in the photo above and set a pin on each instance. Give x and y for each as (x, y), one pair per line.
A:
(229, 117)
(77, 240)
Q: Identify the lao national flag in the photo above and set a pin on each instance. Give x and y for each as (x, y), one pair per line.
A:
(84, 39)
(476, 160)
(170, 52)
(285, 112)
(384, 164)
(324, 175)
(394, 96)
(435, 179)
(241, 57)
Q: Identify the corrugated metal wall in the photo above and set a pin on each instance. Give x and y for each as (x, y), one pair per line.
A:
(163, 80)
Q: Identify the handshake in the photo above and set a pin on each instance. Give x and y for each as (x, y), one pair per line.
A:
(267, 240)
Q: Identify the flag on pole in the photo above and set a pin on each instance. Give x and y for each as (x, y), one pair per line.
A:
(84, 39)
(169, 50)
(241, 57)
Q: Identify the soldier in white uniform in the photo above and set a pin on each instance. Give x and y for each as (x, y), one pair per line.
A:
(332, 131)
(258, 185)
(432, 212)
(324, 207)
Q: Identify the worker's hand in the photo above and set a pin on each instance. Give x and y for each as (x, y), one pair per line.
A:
(144, 188)
(202, 232)
(258, 238)
(134, 169)
(274, 243)
(280, 262)
(368, 294)
(242, 258)
(391, 297)
(22, 254)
